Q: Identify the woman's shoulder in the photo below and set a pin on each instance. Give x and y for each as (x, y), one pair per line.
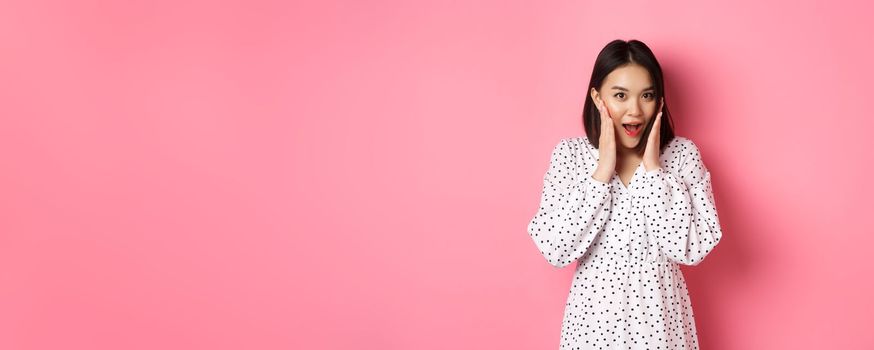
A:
(680, 147)
(581, 148)
(685, 147)
(580, 142)
(682, 141)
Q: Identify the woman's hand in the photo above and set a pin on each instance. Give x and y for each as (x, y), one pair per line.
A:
(606, 146)
(651, 154)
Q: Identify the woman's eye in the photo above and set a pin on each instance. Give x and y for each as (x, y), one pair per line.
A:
(622, 94)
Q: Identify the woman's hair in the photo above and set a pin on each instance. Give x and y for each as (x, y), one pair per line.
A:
(616, 54)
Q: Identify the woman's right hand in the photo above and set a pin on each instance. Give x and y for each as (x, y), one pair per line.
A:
(606, 145)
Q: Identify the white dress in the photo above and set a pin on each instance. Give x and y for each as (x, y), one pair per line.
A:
(628, 291)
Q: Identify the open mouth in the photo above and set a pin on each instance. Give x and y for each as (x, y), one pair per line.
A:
(632, 129)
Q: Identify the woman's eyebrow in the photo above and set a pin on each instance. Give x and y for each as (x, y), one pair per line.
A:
(624, 89)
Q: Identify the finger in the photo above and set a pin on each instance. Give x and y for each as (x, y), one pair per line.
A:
(605, 121)
(603, 109)
(600, 111)
(656, 125)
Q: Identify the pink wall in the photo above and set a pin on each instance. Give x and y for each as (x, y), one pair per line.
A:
(331, 175)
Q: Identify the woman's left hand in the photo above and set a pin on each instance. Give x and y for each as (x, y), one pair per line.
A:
(651, 154)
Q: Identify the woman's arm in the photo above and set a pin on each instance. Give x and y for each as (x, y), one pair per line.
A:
(681, 219)
(572, 211)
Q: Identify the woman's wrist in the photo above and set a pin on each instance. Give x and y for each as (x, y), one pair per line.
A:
(601, 175)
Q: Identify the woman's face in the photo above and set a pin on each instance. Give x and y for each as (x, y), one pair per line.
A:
(630, 98)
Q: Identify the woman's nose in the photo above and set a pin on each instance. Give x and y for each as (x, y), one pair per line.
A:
(635, 108)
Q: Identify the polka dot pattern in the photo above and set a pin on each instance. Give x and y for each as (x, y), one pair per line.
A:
(628, 291)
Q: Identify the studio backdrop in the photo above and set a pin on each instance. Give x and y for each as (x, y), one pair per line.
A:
(360, 174)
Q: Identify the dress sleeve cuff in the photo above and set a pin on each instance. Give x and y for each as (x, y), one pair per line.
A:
(593, 185)
(653, 175)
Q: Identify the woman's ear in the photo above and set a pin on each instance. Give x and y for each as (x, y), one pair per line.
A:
(595, 96)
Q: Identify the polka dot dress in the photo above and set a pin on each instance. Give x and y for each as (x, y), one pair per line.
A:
(628, 291)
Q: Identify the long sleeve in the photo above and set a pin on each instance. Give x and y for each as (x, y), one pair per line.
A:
(680, 215)
(572, 211)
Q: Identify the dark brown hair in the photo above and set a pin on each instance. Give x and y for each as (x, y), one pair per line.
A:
(616, 54)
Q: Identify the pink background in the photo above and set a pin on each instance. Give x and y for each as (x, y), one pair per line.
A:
(359, 174)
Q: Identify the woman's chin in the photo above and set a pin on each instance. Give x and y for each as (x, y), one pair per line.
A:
(630, 142)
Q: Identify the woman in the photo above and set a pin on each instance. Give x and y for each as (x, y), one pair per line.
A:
(630, 202)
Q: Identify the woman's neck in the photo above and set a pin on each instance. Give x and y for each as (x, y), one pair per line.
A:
(627, 153)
